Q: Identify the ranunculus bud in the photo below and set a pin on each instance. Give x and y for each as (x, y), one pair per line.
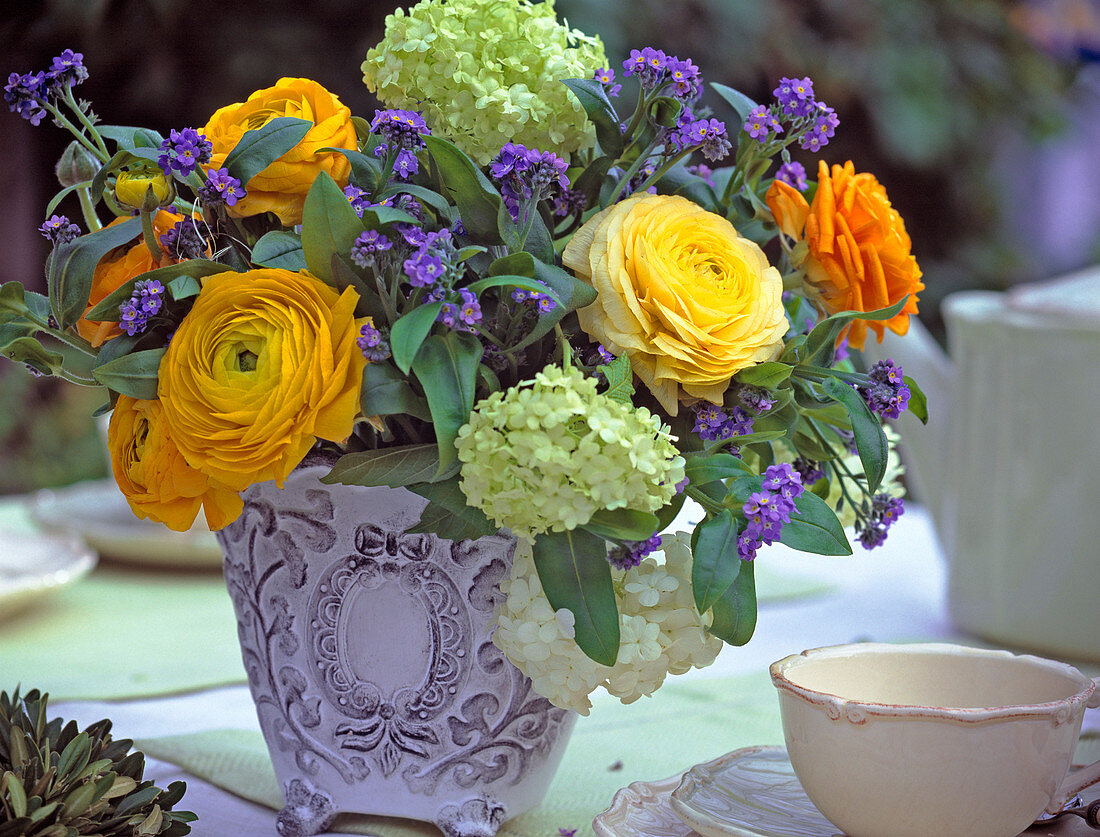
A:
(76, 165)
(144, 189)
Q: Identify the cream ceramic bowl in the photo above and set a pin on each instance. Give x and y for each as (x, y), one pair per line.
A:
(934, 739)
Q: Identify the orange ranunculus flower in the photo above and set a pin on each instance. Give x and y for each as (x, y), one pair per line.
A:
(681, 292)
(263, 365)
(281, 187)
(153, 475)
(116, 269)
(859, 253)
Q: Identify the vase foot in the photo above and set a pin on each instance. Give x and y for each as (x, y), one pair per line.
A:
(476, 817)
(306, 812)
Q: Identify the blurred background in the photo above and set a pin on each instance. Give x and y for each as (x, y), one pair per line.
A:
(981, 118)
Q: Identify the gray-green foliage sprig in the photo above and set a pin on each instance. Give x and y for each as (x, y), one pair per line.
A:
(58, 781)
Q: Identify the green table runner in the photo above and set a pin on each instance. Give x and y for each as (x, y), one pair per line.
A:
(121, 633)
(683, 724)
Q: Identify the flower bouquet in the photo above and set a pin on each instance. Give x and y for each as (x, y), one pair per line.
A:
(543, 298)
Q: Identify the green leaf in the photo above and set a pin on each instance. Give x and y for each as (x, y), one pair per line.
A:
(365, 168)
(379, 217)
(12, 301)
(478, 201)
(409, 333)
(134, 374)
(918, 401)
(601, 113)
(329, 227)
(386, 392)
(715, 562)
(386, 466)
(666, 111)
(870, 439)
(735, 610)
(446, 367)
(572, 292)
(261, 147)
(448, 515)
(814, 528)
(126, 137)
(620, 380)
(735, 99)
(592, 178)
(515, 264)
(574, 573)
(768, 374)
(821, 341)
(17, 345)
(370, 303)
(702, 469)
(679, 181)
(281, 249)
(622, 524)
(107, 309)
(184, 287)
(73, 264)
(433, 199)
(506, 281)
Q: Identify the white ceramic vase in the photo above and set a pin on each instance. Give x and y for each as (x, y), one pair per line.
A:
(369, 658)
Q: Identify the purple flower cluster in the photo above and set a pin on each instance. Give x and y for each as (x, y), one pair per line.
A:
(59, 230)
(368, 247)
(793, 174)
(606, 77)
(811, 121)
(433, 258)
(183, 151)
(569, 202)
(768, 509)
(631, 553)
(221, 187)
(373, 344)
(885, 510)
(146, 300)
(656, 70)
(886, 393)
(527, 175)
(403, 132)
(712, 423)
(704, 171)
(544, 303)
(760, 122)
(709, 135)
(809, 470)
(184, 241)
(25, 93)
(464, 314)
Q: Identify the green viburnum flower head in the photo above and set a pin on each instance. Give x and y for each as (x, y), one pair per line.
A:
(486, 72)
(545, 455)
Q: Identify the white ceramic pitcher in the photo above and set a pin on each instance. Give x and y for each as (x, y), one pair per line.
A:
(1009, 464)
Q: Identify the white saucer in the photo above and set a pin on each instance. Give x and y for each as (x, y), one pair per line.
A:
(758, 796)
(98, 513)
(32, 566)
(751, 792)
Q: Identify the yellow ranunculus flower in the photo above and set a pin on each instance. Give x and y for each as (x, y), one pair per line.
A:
(154, 476)
(281, 187)
(131, 188)
(686, 297)
(263, 365)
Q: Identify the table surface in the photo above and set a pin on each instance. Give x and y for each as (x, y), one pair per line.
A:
(894, 593)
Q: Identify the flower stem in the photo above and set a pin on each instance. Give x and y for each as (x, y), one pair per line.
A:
(91, 220)
(76, 132)
(87, 123)
(150, 236)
